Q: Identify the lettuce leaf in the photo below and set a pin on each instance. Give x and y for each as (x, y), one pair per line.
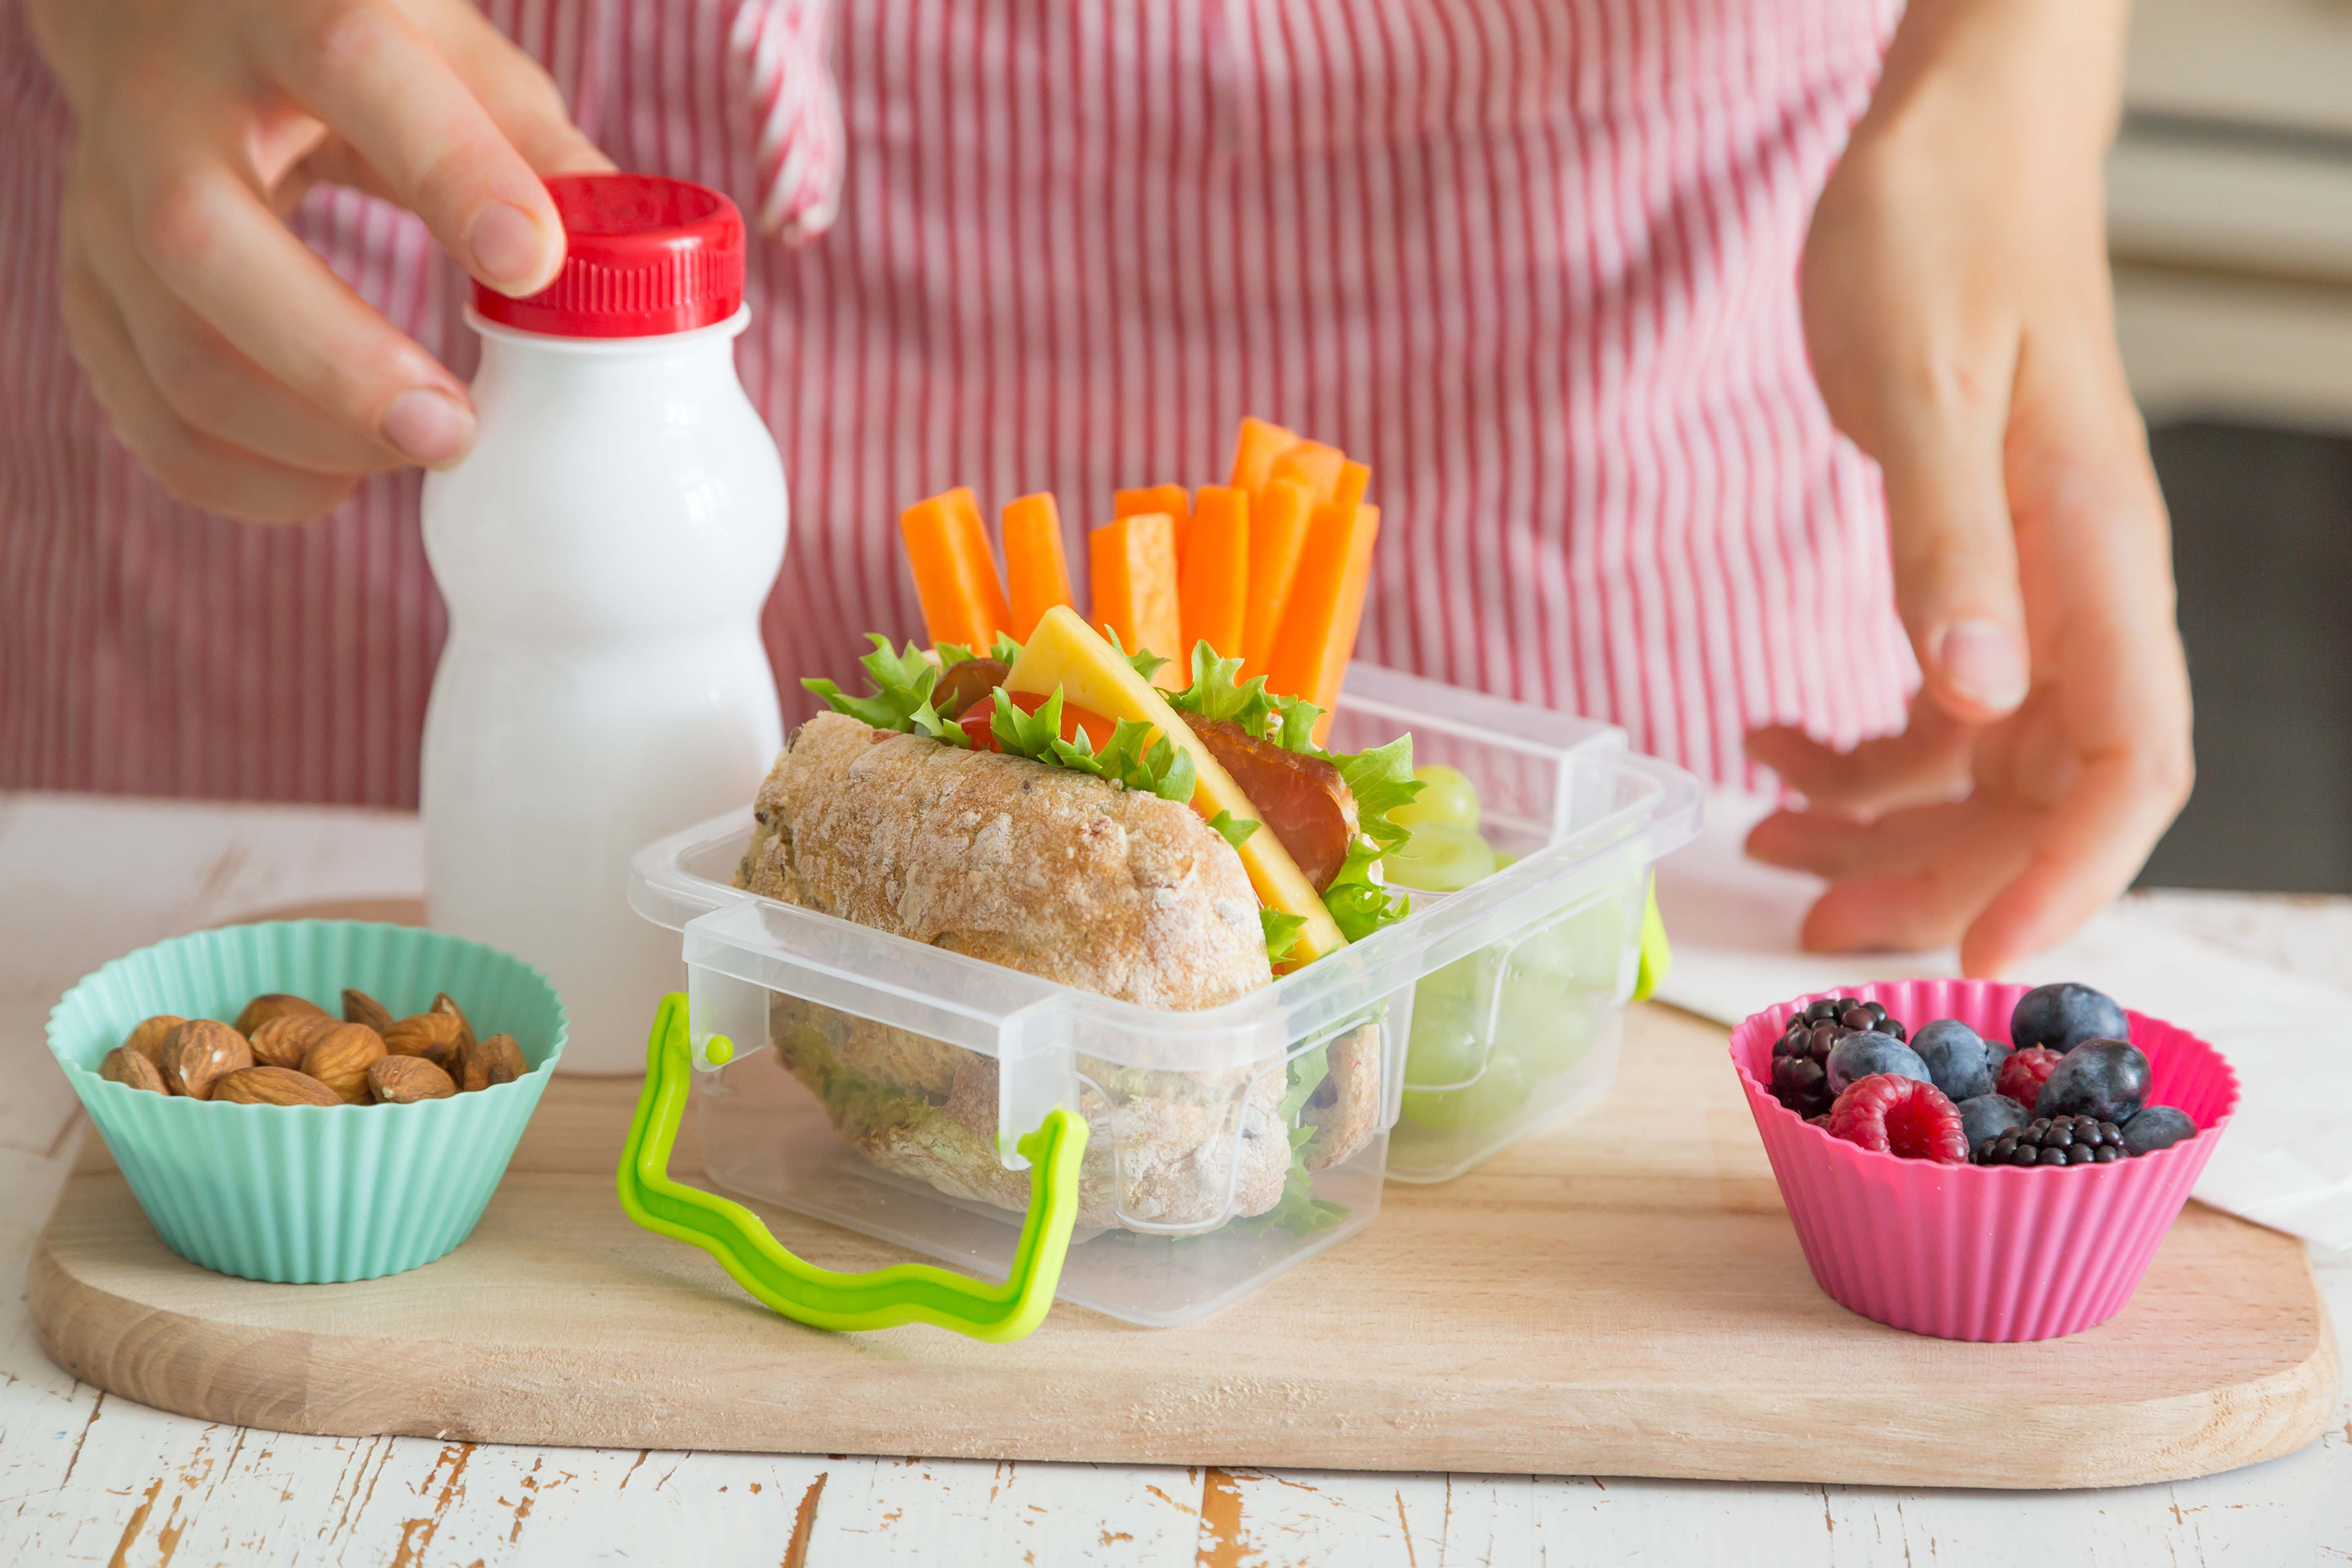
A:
(1233, 830)
(1030, 735)
(1359, 904)
(1162, 768)
(1145, 661)
(901, 699)
(1380, 780)
(1299, 1210)
(1281, 933)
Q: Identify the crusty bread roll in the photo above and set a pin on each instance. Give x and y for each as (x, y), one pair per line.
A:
(1038, 869)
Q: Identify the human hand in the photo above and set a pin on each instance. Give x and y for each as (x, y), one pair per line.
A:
(1959, 315)
(235, 366)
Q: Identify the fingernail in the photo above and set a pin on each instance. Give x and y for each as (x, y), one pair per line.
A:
(428, 427)
(1984, 662)
(509, 250)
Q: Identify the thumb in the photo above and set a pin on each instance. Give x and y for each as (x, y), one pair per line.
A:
(1955, 557)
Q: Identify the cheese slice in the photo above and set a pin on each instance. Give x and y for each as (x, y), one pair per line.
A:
(1065, 651)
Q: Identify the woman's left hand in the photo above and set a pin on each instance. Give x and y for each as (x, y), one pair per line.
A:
(1959, 314)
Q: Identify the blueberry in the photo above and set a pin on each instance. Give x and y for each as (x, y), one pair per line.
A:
(1957, 1055)
(2062, 1016)
(1988, 1116)
(2158, 1127)
(1868, 1053)
(2105, 1078)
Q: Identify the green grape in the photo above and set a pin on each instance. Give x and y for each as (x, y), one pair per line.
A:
(1587, 946)
(1449, 1040)
(1548, 1026)
(1499, 1094)
(1464, 979)
(1440, 858)
(1446, 795)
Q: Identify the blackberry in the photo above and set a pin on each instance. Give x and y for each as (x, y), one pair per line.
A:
(1801, 1056)
(2057, 1141)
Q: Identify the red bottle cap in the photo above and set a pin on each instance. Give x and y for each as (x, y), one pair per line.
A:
(646, 255)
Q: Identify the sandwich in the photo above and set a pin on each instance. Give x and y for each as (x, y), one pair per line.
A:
(1044, 806)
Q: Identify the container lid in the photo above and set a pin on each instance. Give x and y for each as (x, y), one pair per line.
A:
(644, 256)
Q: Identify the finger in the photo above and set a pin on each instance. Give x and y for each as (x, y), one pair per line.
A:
(1927, 762)
(380, 83)
(1926, 908)
(1953, 552)
(210, 238)
(2090, 847)
(1899, 844)
(522, 98)
(212, 387)
(190, 466)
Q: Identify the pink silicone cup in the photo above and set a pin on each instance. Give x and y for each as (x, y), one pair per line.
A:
(1969, 1252)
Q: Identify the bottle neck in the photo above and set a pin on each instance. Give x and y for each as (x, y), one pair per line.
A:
(507, 353)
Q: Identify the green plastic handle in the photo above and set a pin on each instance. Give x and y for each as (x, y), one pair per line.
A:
(902, 1293)
(1656, 956)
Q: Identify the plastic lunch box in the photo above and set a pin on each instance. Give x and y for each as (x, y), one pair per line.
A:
(887, 1086)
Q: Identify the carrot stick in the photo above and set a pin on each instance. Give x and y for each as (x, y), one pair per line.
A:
(1326, 603)
(1170, 498)
(1134, 569)
(1261, 441)
(955, 576)
(1214, 575)
(1313, 465)
(1278, 523)
(1034, 567)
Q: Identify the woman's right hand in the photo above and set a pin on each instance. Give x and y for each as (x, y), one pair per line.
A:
(240, 371)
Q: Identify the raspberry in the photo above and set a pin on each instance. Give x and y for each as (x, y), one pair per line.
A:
(1905, 1117)
(2024, 1073)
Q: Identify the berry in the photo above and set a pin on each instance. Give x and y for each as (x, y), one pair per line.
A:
(2057, 1141)
(2105, 1078)
(1907, 1116)
(2062, 1016)
(1988, 1116)
(1958, 1059)
(1799, 1078)
(2024, 1072)
(2157, 1127)
(1866, 1053)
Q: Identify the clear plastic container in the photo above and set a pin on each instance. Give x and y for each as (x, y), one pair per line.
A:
(880, 1083)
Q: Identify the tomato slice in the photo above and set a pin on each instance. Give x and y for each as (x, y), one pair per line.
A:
(976, 719)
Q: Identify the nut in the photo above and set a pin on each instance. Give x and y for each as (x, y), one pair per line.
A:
(339, 1058)
(148, 1038)
(359, 1007)
(495, 1060)
(438, 1038)
(403, 1081)
(275, 1004)
(272, 1086)
(125, 1066)
(198, 1053)
(447, 1006)
(285, 1040)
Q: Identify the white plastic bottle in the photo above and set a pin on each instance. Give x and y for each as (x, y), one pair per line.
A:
(604, 550)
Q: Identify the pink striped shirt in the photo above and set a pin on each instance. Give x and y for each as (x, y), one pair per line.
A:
(1534, 260)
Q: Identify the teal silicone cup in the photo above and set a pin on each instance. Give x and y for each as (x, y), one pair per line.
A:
(310, 1195)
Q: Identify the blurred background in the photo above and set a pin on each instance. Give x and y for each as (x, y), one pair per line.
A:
(2230, 222)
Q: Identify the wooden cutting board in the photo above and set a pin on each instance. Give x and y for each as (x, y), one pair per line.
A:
(1622, 1295)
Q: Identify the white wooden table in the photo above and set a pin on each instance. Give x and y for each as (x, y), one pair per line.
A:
(85, 1477)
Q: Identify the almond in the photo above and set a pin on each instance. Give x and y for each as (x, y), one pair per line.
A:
(403, 1081)
(274, 1004)
(272, 1086)
(495, 1060)
(285, 1040)
(447, 1006)
(148, 1038)
(198, 1053)
(438, 1038)
(124, 1066)
(339, 1058)
(359, 1007)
